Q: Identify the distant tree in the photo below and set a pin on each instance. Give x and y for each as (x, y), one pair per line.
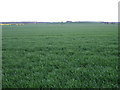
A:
(68, 21)
(112, 23)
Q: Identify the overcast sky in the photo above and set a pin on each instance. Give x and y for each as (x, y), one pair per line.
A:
(59, 10)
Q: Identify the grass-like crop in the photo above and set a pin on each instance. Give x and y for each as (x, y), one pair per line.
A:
(74, 55)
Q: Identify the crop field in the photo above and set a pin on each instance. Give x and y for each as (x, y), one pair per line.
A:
(68, 55)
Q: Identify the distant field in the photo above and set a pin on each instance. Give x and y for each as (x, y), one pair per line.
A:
(60, 55)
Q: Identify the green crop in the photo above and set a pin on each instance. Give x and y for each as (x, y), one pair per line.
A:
(73, 55)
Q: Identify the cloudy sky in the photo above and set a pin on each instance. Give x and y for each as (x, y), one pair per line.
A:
(59, 10)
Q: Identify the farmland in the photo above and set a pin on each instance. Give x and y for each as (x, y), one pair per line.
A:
(68, 55)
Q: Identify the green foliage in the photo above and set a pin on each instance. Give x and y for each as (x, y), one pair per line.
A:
(60, 55)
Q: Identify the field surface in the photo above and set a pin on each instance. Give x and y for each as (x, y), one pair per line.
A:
(74, 55)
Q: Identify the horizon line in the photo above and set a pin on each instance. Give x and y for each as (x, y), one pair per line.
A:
(59, 21)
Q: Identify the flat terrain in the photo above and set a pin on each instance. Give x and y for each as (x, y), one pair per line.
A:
(80, 55)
